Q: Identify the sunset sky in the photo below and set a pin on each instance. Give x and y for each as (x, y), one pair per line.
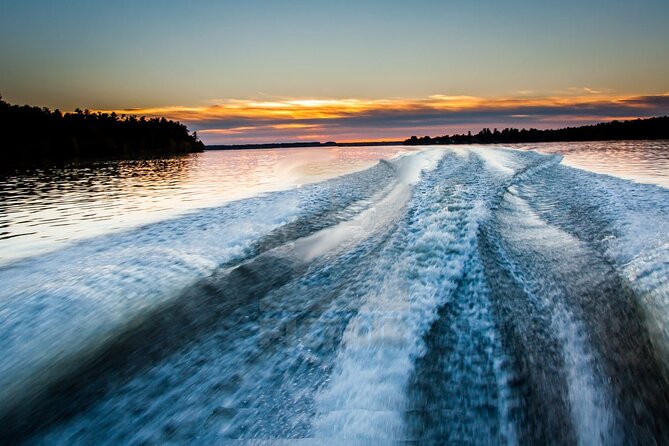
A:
(265, 71)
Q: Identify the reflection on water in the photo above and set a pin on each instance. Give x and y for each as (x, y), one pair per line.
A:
(43, 208)
(640, 161)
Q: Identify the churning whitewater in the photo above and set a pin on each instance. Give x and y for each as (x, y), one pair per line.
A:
(457, 295)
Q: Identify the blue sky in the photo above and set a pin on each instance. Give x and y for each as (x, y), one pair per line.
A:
(151, 54)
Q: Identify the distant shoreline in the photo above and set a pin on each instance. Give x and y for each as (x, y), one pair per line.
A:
(396, 143)
(656, 128)
(56, 137)
(633, 130)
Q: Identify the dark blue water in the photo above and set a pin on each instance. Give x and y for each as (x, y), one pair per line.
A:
(460, 295)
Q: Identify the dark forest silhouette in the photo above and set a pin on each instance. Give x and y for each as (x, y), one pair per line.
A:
(34, 135)
(652, 128)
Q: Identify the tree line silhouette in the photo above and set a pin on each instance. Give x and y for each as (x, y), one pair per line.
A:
(34, 135)
(651, 128)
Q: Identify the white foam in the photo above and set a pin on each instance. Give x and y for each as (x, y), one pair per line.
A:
(412, 166)
(366, 397)
(500, 160)
(350, 232)
(639, 245)
(388, 206)
(55, 307)
(591, 405)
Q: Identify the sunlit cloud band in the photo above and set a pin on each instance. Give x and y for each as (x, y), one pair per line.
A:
(236, 121)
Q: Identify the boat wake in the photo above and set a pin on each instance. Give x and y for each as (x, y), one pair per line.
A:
(454, 295)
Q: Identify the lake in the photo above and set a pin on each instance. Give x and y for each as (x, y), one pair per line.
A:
(453, 294)
(46, 208)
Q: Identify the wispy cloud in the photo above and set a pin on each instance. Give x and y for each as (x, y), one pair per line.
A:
(283, 119)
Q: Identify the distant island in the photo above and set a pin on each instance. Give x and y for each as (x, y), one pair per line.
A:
(651, 128)
(35, 135)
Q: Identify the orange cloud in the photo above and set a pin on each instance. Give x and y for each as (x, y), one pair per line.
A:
(231, 131)
(301, 109)
(295, 126)
(284, 119)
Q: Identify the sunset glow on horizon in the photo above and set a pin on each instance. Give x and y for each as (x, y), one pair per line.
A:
(346, 120)
(265, 71)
